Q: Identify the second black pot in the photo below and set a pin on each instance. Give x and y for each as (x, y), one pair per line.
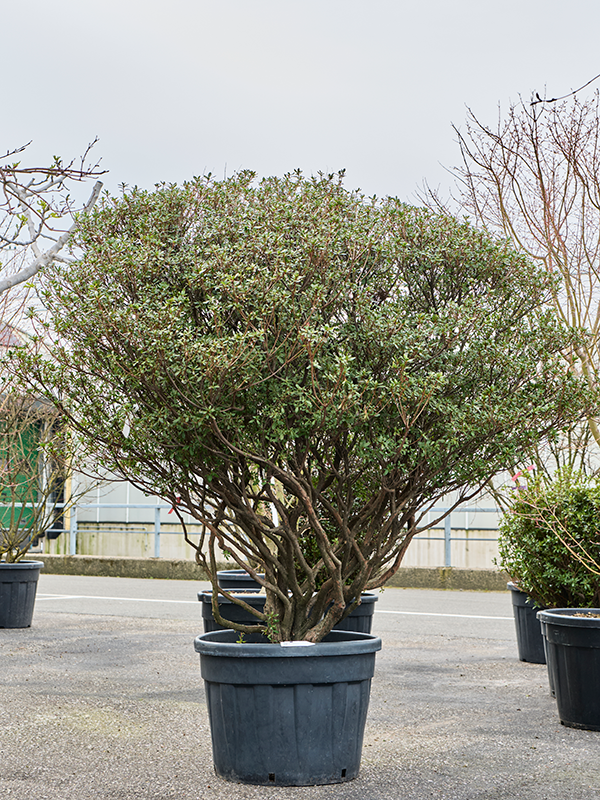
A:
(359, 621)
(530, 642)
(238, 580)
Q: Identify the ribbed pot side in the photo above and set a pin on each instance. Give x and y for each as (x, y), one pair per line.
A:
(18, 587)
(287, 716)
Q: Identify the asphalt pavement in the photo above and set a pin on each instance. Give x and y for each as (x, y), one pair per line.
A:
(102, 698)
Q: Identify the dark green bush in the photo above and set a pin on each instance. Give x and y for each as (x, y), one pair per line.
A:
(550, 541)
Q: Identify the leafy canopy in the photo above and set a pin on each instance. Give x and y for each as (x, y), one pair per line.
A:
(550, 540)
(304, 370)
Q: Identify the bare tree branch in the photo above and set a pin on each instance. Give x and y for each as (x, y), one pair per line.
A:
(564, 96)
(38, 213)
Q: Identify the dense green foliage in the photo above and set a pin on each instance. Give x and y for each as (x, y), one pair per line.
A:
(550, 541)
(304, 370)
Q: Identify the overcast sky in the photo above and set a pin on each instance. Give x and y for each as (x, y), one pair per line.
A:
(175, 88)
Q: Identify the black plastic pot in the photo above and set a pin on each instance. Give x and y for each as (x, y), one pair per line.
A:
(359, 621)
(287, 716)
(230, 610)
(530, 642)
(238, 580)
(573, 658)
(18, 587)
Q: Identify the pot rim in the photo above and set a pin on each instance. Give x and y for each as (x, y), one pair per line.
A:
(568, 617)
(224, 644)
(23, 564)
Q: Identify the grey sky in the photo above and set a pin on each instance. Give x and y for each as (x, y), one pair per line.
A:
(174, 88)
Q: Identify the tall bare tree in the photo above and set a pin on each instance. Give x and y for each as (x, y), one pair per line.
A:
(38, 212)
(535, 176)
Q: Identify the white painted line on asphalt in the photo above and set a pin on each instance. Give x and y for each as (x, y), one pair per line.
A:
(45, 596)
(96, 597)
(40, 596)
(432, 614)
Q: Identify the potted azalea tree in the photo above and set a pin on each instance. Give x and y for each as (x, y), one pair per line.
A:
(549, 544)
(306, 372)
(32, 483)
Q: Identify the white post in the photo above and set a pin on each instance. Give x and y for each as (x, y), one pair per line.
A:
(448, 541)
(73, 531)
(157, 532)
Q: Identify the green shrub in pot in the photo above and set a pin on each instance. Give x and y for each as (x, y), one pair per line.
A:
(34, 468)
(33, 472)
(549, 540)
(550, 544)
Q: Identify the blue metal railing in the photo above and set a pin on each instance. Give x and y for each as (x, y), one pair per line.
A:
(447, 538)
(157, 522)
(447, 526)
